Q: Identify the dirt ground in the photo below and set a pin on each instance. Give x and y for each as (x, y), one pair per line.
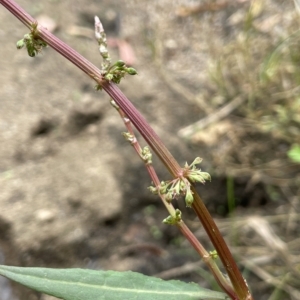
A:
(74, 194)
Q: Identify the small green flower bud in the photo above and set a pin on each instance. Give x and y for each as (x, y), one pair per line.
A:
(27, 37)
(213, 254)
(153, 190)
(199, 176)
(109, 77)
(197, 161)
(163, 188)
(195, 178)
(120, 63)
(206, 176)
(20, 44)
(183, 185)
(177, 187)
(128, 137)
(169, 197)
(131, 71)
(31, 52)
(189, 199)
(178, 215)
(169, 220)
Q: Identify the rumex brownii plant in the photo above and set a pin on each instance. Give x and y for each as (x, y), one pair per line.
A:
(87, 284)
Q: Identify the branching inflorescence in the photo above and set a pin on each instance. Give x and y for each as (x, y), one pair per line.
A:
(181, 186)
(110, 72)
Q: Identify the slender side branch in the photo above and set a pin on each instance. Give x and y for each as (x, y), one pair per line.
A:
(144, 128)
(209, 260)
(132, 139)
(175, 215)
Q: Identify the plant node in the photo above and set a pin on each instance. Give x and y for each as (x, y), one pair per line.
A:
(129, 137)
(194, 174)
(181, 186)
(32, 42)
(153, 190)
(114, 104)
(213, 254)
(173, 220)
(146, 155)
(117, 71)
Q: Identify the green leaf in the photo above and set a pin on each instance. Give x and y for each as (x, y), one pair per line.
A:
(271, 64)
(294, 153)
(80, 284)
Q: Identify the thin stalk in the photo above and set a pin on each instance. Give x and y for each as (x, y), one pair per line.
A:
(149, 166)
(144, 128)
(209, 260)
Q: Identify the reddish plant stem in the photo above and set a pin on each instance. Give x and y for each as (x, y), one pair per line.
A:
(18, 12)
(138, 148)
(223, 251)
(149, 135)
(208, 259)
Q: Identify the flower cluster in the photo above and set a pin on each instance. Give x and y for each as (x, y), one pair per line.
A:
(101, 39)
(194, 174)
(173, 220)
(117, 71)
(181, 186)
(110, 72)
(33, 44)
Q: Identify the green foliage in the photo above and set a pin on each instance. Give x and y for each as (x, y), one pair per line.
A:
(117, 71)
(294, 153)
(80, 284)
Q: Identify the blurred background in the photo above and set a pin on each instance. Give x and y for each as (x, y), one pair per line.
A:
(217, 79)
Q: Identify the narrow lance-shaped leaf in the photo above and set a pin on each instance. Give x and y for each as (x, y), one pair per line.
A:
(81, 284)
